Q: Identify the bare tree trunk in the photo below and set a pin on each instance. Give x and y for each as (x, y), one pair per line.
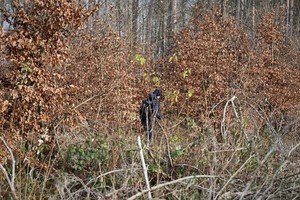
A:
(238, 12)
(134, 22)
(175, 15)
(169, 23)
(183, 12)
(161, 33)
(90, 20)
(161, 29)
(148, 37)
(287, 25)
(242, 11)
(118, 16)
(225, 8)
(253, 16)
(291, 17)
(2, 7)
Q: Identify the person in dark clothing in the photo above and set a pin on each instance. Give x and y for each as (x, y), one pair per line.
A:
(150, 110)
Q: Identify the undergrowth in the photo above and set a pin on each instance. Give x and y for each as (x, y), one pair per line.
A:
(252, 163)
(69, 121)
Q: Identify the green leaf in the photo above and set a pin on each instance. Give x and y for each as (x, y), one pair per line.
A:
(120, 131)
(156, 168)
(146, 77)
(178, 152)
(140, 59)
(174, 57)
(26, 69)
(184, 74)
(137, 57)
(29, 69)
(156, 80)
(187, 73)
(190, 93)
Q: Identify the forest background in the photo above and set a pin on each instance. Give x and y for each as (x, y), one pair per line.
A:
(73, 75)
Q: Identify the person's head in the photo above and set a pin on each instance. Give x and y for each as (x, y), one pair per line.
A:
(157, 92)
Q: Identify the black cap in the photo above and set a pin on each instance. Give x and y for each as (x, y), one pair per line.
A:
(157, 92)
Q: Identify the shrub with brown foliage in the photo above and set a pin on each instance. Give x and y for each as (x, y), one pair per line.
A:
(215, 60)
(101, 69)
(212, 55)
(32, 93)
(273, 75)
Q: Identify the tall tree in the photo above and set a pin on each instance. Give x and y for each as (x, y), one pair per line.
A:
(2, 7)
(183, 13)
(175, 15)
(225, 8)
(169, 23)
(238, 11)
(253, 15)
(161, 30)
(118, 16)
(149, 24)
(134, 23)
(290, 18)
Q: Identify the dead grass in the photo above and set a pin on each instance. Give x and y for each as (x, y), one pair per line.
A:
(184, 160)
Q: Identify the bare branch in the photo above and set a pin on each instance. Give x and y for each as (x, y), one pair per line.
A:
(11, 181)
(170, 183)
(144, 167)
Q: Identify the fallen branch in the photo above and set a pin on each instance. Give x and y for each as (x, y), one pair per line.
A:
(170, 183)
(105, 174)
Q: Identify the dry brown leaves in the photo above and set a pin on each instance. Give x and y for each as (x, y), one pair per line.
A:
(33, 94)
(225, 61)
(100, 68)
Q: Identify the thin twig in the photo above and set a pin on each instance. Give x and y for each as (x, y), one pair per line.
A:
(107, 173)
(168, 144)
(144, 167)
(11, 181)
(170, 183)
(234, 175)
(293, 149)
(84, 102)
(223, 126)
(213, 169)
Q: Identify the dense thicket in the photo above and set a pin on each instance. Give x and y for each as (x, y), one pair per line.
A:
(73, 75)
(215, 59)
(33, 91)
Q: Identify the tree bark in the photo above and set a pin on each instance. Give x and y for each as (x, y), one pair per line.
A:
(161, 28)
(118, 17)
(134, 22)
(148, 37)
(183, 12)
(291, 18)
(253, 16)
(175, 15)
(2, 7)
(238, 11)
(225, 8)
(169, 23)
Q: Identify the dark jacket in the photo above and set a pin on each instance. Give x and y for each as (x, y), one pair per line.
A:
(150, 110)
